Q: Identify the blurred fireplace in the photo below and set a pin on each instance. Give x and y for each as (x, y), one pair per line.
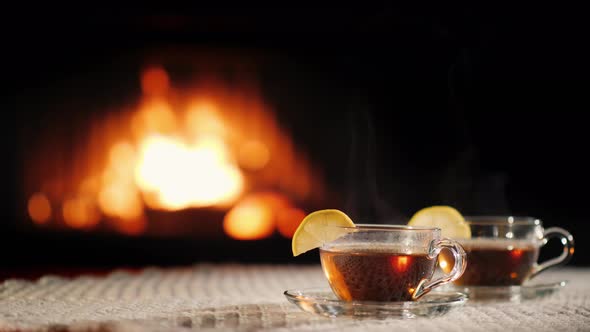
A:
(171, 151)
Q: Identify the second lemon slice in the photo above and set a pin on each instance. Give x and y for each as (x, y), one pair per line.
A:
(318, 228)
(447, 218)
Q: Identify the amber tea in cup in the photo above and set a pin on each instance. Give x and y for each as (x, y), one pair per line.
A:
(387, 262)
(503, 251)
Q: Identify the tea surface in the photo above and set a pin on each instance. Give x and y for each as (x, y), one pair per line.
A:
(375, 274)
(494, 262)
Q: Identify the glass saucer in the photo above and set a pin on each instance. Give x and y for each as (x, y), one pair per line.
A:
(508, 293)
(322, 301)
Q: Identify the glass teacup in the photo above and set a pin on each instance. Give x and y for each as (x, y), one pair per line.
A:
(388, 262)
(504, 250)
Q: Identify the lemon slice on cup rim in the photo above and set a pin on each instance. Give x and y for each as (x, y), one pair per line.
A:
(448, 219)
(318, 228)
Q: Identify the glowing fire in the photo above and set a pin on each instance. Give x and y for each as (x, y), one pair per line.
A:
(249, 220)
(209, 147)
(184, 176)
(257, 215)
(39, 208)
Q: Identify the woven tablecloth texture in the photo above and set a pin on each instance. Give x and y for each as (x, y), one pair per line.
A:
(238, 297)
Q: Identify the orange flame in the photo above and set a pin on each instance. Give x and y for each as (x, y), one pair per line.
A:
(258, 212)
(180, 149)
(184, 176)
(253, 155)
(249, 220)
(155, 81)
(39, 208)
(80, 212)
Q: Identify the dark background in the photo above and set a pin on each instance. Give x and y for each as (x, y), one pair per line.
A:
(482, 108)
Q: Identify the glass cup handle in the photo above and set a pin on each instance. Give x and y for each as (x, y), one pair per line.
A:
(568, 249)
(460, 263)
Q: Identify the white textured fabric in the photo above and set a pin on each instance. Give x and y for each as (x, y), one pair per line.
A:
(250, 298)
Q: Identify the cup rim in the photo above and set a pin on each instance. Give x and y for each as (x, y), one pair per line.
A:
(388, 227)
(502, 220)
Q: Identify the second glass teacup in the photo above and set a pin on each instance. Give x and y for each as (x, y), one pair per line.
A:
(388, 262)
(503, 250)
